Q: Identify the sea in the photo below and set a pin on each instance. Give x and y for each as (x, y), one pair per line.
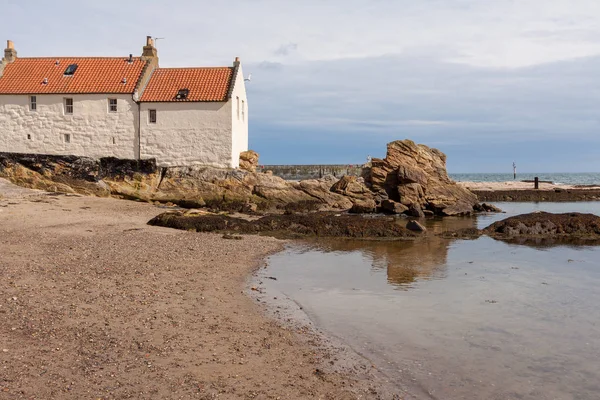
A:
(582, 178)
(454, 319)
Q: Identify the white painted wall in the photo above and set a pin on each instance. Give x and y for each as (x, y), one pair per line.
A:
(188, 133)
(239, 122)
(92, 128)
(185, 133)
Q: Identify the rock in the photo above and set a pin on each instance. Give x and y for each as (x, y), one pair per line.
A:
(543, 224)
(353, 187)
(295, 225)
(415, 211)
(364, 207)
(390, 206)
(249, 160)
(490, 208)
(415, 226)
(320, 189)
(416, 175)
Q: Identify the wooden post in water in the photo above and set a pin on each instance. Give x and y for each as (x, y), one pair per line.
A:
(536, 183)
(515, 170)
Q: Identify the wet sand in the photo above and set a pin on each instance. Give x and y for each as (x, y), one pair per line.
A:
(95, 304)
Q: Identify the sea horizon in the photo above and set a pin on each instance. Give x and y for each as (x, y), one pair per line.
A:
(567, 178)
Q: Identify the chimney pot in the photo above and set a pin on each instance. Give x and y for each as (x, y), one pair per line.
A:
(149, 49)
(10, 44)
(237, 59)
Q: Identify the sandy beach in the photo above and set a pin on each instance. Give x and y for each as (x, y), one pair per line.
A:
(95, 304)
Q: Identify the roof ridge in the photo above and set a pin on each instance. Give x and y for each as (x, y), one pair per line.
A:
(92, 58)
(222, 67)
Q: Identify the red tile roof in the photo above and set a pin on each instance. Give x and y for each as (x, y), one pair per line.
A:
(93, 75)
(204, 84)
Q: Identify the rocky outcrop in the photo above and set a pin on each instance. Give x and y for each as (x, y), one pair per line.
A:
(249, 160)
(224, 189)
(411, 180)
(415, 176)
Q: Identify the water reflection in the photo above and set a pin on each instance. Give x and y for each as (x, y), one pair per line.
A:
(404, 262)
(482, 319)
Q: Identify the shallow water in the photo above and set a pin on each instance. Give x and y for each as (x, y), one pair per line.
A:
(459, 319)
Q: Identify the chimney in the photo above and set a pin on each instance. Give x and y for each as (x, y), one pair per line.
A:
(149, 49)
(10, 54)
(236, 62)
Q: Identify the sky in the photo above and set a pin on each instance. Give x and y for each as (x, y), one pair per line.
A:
(486, 82)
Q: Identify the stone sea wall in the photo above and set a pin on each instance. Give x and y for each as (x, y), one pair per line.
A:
(315, 171)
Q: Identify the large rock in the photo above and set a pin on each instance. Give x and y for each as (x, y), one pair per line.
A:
(249, 160)
(415, 176)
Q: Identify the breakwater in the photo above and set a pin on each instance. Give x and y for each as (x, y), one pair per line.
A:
(300, 172)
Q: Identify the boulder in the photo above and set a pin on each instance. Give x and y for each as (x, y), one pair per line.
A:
(415, 175)
(392, 207)
(363, 207)
(416, 211)
(485, 207)
(249, 160)
(415, 226)
(352, 186)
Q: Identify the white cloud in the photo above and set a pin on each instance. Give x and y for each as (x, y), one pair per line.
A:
(498, 33)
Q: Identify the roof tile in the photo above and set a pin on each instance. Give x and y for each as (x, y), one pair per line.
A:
(204, 84)
(93, 75)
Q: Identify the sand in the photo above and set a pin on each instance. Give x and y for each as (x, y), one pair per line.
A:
(95, 304)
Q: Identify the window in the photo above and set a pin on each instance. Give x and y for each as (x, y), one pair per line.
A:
(67, 138)
(237, 99)
(112, 105)
(71, 70)
(68, 106)
(152, 116)
(243, 111)
(32, 103)
(182, 94)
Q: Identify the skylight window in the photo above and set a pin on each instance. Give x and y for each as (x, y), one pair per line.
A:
(182, 94)
(71, 70)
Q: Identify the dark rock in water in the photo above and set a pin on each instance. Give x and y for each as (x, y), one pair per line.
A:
(415, 211)
(428, 213)
(295, 225)
(364, 207)
(392, 207)
(485, 207)
(542, 224)
(415, 226)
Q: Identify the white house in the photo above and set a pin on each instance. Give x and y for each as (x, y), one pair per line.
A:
(124, 107)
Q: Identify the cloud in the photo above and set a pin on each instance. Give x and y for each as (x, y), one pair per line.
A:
(335, 80)
(286, 49)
